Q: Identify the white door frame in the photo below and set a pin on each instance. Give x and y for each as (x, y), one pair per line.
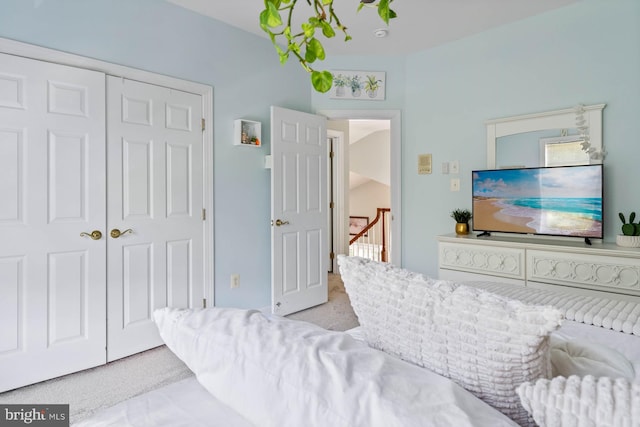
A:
(340, 195)
(45, 54)
(395, 119)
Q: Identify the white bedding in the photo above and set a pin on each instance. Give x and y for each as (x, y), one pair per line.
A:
(182, 404)
(278, 372)
(187, 403)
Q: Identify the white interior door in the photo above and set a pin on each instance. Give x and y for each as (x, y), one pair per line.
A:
(52, 189)
(299, 210)
(155, 169)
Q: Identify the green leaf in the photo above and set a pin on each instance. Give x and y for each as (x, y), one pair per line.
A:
(321, 81)
(310, 55)
(284, 56)
(270, 17)
(327, 30)
(384, 11)
(316, 47)
(309, 29)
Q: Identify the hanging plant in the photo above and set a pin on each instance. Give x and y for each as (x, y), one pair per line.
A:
(304, 43)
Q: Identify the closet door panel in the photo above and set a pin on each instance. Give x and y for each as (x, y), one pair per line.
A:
(52, 187)
(155, 190)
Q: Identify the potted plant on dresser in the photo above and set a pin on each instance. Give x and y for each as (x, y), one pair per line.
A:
(630, 237)
(462, 217)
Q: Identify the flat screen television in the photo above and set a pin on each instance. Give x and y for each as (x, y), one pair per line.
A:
(553, 201)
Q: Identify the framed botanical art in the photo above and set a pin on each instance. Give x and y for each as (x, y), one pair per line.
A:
(358, 85)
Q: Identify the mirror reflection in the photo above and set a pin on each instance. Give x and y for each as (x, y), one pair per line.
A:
(549, 147)
(572, 136)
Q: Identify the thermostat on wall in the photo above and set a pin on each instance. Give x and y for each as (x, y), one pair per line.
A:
(424, 164)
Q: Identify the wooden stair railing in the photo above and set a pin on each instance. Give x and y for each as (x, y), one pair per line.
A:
(375, 246)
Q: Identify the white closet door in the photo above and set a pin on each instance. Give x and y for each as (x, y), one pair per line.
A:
(52, 189)
(155, 169)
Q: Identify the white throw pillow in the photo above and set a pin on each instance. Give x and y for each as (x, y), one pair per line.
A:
(580, 357)
(576, 401)
(487, 343)
(278, 372)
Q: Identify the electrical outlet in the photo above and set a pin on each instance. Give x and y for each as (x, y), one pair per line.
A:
(455, 184)
(235, 281)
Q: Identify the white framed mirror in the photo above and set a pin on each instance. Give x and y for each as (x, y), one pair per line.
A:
(549, 138)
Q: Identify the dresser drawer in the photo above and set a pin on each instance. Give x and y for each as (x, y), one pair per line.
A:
(609, 273)
(488, 260)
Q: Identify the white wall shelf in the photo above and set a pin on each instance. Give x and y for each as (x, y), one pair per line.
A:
(247, 133)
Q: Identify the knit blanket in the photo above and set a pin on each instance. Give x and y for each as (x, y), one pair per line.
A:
(618, 315)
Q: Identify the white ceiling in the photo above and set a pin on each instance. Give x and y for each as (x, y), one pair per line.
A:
(421, 24)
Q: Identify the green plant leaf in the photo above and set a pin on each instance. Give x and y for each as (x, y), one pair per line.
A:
(321, 81)
(327, 30)
(270, 17)
(385, 12)
(309, 29)
(316, 48)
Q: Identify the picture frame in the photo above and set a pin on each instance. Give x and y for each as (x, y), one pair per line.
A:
(357, 224)
(358, 85)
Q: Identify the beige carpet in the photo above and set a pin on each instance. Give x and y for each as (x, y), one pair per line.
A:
(335, 315)
(104, 386)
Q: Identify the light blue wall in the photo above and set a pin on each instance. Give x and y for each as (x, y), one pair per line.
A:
(246, 76)
(585, 53)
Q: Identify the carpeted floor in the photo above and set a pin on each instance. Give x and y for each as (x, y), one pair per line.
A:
(335, 315)
(104, 386)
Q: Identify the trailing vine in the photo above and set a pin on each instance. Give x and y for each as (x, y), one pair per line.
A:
(304, 43)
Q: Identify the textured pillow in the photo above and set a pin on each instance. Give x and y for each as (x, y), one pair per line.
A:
(576, 401)
(580, 357)
(487, 343)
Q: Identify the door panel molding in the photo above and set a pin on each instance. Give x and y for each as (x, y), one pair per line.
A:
(51, 55)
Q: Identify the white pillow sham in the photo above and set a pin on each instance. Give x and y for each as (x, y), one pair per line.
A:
(487, 343)
(280, 372)
(587, 401)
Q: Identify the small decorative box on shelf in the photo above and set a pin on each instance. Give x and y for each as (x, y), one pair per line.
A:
(247, 133)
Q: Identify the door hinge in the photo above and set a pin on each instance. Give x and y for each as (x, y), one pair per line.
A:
(204, 303)
(331, 154)
(203, 126)
(204, 214)
(332, 205)
(332, 255)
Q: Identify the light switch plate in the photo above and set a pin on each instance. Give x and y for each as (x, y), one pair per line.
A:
(445, 168)
(455, 184)
(454, 166)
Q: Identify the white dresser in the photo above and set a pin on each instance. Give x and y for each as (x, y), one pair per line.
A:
(541, 263)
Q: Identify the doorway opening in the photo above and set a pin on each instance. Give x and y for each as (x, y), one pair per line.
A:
(362, 177)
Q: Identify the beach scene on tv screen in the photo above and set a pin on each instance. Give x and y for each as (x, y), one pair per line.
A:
(554, 201)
